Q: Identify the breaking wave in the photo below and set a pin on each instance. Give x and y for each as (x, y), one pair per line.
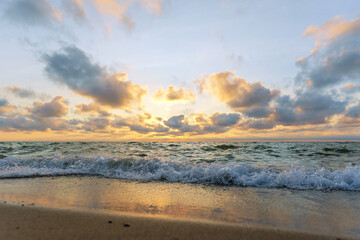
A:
(347, 179)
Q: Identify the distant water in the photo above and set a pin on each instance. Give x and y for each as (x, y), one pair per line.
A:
(295, 165)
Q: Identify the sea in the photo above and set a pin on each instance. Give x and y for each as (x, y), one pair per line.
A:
(320, 166)
(298, 186)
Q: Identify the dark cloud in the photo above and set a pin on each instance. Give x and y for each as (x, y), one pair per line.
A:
(55, 108)
(354, 112)
(6, 107)
(140, 125)
(146, 128)
(96, 124)
(351, 88)
(351, 118)
(343, 66)
(181, 123)
(217, 123)
(336, 58)
(3, 102)
(23, 123)
(32, 12)
(91, 108)
(258, 112)
(259, 124)
(224, 120)
(178, 125)
(308, 107)
(72, 67)
(26, 93)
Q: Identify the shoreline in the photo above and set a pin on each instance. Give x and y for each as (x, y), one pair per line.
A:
(33, 222)
(46, 206)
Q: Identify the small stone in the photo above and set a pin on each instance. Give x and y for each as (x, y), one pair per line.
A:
(109, 221)
(126, 225)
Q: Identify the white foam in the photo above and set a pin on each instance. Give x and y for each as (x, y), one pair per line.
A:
(160, 170)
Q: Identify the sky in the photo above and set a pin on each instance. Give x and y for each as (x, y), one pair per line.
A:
(123, 70)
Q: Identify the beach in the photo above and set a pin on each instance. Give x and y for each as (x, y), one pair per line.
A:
(83, 207)
(165, 119)
(51, 223)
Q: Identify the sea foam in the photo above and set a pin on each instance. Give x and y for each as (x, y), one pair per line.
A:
(154, 169)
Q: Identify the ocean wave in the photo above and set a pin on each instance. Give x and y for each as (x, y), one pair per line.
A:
(294, 177)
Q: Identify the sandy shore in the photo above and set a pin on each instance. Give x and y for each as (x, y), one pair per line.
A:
(81, 208)
(31, 222)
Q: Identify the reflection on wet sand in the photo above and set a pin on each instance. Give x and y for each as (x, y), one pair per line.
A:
(326, 212)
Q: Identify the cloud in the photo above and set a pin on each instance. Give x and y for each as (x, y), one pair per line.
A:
(55, 108)
(42, 116)
(354, 112)
(6, 107)
(29, 12)
(308, 107)
(23, 123)
(181, 123)
(96, 124)
(224, 120)
(351, 88)
(72, 67)
(152, 6)
(259, 124)
(336, 57)
(178, 125)
(237, 93)
(173, 94)
(258, 112)
(351, 118)
(115, 9)
(331, 30)
(25, 93)
(119, 9)
(44, 13)
(217, 123)
(91, 108)
(20, 92)
(141, 123)
(3, 102)
(75, 9)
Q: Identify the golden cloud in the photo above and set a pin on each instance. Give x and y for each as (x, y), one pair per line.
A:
(55, 108)
(119, 9)
(237, 93)
(173, 94)
(331, 30)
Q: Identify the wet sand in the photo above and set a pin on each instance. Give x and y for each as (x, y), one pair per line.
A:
(29, 222)
(98, 208)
